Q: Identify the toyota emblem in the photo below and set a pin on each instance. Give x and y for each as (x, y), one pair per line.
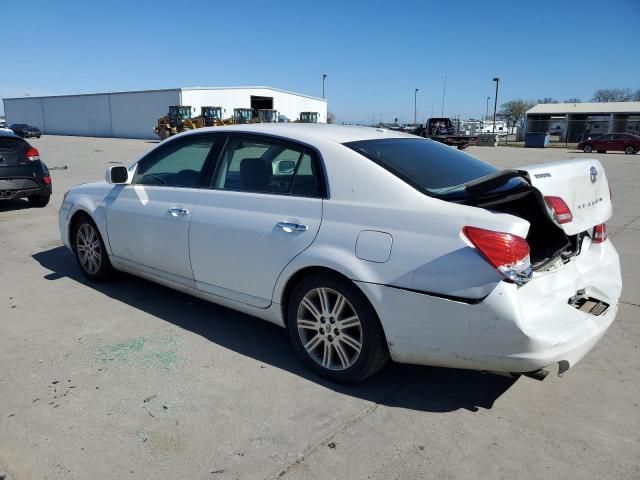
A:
(593, 174)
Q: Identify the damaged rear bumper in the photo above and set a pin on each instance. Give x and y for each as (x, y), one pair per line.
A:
(514, 329)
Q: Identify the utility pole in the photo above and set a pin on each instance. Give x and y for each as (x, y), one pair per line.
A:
(415, 108)
(444, 91)
(324, 75)
(495, 103)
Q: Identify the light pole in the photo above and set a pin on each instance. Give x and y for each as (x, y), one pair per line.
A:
(444, 91)
(324, 75)
(415, 108)
(486, 111)
(495, 103)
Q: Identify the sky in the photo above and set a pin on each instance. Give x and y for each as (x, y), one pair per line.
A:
(374, 53)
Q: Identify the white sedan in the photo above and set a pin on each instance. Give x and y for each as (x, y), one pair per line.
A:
(365, 244)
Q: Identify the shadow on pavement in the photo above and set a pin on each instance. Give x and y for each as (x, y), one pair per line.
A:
(14, 204)
(405, 386)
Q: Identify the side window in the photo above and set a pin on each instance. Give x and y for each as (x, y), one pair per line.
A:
(263, 166)
(305, 183)
(179, 164)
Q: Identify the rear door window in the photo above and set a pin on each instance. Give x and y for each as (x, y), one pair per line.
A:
(251, 164)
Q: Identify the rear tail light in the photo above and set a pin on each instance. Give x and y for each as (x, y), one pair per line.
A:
(32, 154)
(599, 233)
(507, 253)
(560, 209)
(46, 180)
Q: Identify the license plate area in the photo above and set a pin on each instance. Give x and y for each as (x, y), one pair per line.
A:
(589, 305)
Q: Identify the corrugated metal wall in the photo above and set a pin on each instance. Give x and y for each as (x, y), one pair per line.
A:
(134, 114)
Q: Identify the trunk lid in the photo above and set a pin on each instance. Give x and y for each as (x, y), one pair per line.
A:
(12, 151)
(582, 184)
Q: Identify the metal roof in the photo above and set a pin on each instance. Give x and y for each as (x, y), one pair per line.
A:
(120, 92)
(585, 108)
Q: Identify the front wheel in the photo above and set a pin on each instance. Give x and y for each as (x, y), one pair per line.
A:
(335, 330)
(587, 149)
(90, 252)
(629, 150)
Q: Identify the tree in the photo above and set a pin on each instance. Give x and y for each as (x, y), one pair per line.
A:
(331, 118)
(547, 100)
(514, 111)
(573, 100)
(614, 95)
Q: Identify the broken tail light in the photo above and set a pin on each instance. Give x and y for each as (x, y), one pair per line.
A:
(561, 210)
(507, 253)
(599, 233)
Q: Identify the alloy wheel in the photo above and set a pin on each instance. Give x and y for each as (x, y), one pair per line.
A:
(329, 328)
(88, 248)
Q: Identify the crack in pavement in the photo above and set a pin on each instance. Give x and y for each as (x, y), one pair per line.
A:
(344, 427)
(624, 227)
(632, 304)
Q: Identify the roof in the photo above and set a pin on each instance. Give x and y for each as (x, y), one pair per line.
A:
(168, 90)
(585, 108)
(309, 132)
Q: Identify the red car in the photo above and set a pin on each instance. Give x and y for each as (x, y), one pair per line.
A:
(621, 142)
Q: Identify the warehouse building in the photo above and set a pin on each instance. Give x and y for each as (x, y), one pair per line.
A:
(133, 114)
(574, 122)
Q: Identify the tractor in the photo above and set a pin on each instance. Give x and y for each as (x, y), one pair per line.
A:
(242, 115)
(268, 116)
(209, 117)
(308, 117)
(177, 120)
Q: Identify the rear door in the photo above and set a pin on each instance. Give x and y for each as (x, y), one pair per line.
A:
(264, 207)
(582, 184)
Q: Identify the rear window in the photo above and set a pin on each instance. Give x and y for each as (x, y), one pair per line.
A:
(427, 165)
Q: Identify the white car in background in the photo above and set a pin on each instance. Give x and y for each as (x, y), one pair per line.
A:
(5, 128)
(365, 244)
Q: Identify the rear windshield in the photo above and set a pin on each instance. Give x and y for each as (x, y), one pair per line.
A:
(429, 166)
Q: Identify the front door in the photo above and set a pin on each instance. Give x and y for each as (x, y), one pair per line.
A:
(148, 220)
(264, 207)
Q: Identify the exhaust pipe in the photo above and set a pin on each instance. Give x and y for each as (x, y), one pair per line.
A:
(539, 375)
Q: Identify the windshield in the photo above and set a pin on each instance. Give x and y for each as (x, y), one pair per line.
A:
(426, 165)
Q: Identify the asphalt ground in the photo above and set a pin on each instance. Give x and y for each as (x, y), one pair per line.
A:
(134, 380)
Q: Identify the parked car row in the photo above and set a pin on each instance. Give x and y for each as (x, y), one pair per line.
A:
(612, 142)
(366, 244)
(23, 130)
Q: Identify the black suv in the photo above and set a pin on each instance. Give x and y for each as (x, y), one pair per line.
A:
(22, 173)
(25, 131)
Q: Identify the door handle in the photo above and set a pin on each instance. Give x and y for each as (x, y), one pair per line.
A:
(177, 212)
(292, 227)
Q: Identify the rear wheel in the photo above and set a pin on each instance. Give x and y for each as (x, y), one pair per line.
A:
(90, 251)
(630, 149)
(335, 330)
(38, 201)
(587, 149)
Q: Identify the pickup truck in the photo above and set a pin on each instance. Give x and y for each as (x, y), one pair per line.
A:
(442, 130)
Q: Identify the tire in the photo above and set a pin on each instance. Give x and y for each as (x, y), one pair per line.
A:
(587, 149)
(95, 265)
(38, 201)
(629, 150)
(163, 135)
(353, 347)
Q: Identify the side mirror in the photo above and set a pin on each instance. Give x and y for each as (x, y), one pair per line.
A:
(286, 166)
(118, 174)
